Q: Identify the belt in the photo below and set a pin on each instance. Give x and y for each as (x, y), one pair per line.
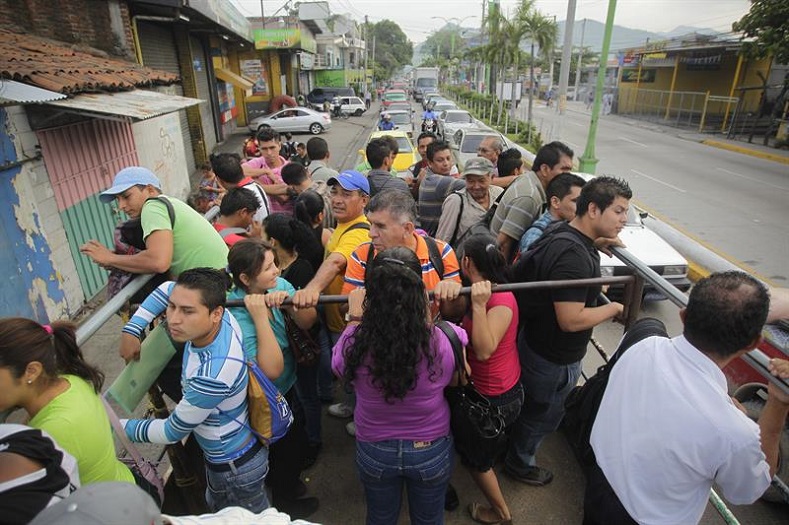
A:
(239, 461)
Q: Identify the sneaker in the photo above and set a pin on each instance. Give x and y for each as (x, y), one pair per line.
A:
(350, 428)
(535, 476)
(341, 410)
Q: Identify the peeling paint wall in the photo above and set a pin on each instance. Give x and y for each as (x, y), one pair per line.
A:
(161, 150)
(39, 277)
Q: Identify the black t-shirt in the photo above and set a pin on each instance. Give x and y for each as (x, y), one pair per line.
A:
(299, 273)
(562, 259)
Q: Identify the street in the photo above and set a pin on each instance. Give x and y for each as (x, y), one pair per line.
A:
(732, 203)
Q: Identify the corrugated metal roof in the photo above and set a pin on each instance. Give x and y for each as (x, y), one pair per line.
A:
(138, 104)
(12, 92)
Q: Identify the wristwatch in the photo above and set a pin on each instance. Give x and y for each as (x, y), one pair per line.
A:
(353, 318)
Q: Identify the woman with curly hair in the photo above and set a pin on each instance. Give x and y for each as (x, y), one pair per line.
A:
(399, 364)
(492, 326)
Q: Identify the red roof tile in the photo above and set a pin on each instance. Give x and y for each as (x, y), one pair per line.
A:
(57, 67)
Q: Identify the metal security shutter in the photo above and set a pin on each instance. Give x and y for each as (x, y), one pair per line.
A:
(204, 93)
(158, 52)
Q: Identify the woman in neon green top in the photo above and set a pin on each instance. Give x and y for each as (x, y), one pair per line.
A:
(42, 370)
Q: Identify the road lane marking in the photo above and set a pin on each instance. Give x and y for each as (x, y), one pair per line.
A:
(633, 141)
(752, 179)
(659, 181)
(577, 124)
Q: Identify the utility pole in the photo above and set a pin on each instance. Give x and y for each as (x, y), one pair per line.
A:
(578, 65)
(366, 52)
(588, 162)
(373, 59)
(567, 50)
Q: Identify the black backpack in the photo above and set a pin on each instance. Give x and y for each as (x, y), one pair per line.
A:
(131, 230)
(532, 267)
(583, 402)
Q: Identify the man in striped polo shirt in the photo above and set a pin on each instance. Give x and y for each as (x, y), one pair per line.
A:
(214, 380)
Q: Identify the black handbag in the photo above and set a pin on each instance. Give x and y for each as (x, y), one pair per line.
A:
(473, 419)
(303, 343)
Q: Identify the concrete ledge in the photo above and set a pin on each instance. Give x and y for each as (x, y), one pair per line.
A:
(775, 157)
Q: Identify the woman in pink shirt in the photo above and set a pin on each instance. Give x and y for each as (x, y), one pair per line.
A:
(492, 325)
(399, 364)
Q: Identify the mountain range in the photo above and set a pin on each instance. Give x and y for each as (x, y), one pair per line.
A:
(621, 37)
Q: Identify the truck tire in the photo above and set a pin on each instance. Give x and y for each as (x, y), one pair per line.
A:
(753, 397)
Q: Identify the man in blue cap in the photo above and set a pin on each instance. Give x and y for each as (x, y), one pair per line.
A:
(350, 192)
(176, 238)
(172, 245)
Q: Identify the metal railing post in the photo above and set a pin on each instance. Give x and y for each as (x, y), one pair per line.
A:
(704, 112)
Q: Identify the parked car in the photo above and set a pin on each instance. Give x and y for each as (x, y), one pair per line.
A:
(444, 105)
(403, 120)
(652, 250)
(464, 144)
(394, 95)
(407, 155)
(398, 106)
(293, 120)
(353, 105)
(451, 120)
(319, 95)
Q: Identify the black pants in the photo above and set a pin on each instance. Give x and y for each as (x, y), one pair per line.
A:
(286, 456)
(601, 504)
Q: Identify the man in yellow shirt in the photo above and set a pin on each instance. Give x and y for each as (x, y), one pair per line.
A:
(349, 192)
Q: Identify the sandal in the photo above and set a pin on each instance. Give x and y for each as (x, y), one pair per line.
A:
(474, 510)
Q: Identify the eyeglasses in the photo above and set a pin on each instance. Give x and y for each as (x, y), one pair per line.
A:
(483, 150)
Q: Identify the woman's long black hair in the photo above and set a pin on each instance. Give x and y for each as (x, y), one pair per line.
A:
(294, 236)
(393, 335)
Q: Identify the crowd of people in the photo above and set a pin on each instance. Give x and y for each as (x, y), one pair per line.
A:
(288, 233)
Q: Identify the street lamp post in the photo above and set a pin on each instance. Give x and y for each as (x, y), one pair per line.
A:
(452, 36)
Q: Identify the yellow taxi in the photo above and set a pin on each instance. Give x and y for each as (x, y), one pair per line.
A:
(407, 155)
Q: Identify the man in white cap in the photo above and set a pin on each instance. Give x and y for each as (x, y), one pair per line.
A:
(174, 243)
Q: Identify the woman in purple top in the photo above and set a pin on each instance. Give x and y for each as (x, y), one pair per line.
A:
(399, 364)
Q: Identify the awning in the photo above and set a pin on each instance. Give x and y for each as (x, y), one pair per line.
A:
(237, 80)
(12, 92)
(137, 104)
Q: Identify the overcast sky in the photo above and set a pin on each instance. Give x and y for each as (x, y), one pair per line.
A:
(415, 16)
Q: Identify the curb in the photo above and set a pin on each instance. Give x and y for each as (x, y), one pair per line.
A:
(747, 151)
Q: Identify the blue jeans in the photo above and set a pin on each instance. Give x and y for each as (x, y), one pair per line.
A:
(242, 486)
(545, 387)
(424, 467)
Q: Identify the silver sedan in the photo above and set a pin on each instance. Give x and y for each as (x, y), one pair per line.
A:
(293, 120)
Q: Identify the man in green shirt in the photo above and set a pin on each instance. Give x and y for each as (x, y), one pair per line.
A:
(172, 244)
(189, 241)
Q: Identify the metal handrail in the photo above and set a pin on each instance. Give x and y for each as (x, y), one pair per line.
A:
(756, 358)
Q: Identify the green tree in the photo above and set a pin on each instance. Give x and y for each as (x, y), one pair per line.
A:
(767, 23)
(393, 50)
(541, 32)
(445, 43)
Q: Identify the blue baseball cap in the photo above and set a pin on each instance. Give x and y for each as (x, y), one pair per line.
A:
(351, 180)
(128, 177)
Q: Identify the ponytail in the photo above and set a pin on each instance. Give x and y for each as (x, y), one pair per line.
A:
(69, 358)
(490, 263)
(23, 341)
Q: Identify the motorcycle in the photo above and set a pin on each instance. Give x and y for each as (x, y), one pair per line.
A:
(428, 125)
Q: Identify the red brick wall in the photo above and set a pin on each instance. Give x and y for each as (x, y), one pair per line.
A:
(82, 22)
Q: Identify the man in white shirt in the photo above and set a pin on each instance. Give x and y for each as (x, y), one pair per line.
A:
(667, 428)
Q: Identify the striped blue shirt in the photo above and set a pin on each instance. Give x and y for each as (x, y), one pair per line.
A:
(214, 381)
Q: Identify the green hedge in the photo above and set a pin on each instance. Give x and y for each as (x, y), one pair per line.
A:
(470, 100)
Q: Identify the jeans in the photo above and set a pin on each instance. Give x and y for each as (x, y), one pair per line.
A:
(307, 388)
(241, 486)
(424, 467)
(325, 375)
(546, 386)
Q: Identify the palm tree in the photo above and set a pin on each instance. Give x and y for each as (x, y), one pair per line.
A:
(542, 32)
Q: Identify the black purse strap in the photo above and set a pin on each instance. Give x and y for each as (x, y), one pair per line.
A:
(457, 349)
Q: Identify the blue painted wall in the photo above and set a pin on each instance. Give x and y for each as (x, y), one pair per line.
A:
(20, 263)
